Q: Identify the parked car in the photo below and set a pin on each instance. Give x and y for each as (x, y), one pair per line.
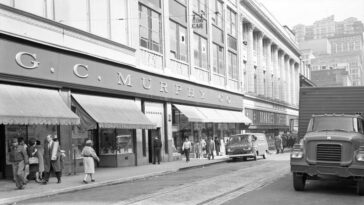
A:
(247, 145)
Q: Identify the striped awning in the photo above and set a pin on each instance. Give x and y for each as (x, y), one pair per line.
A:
(29, 106)
(111, 112)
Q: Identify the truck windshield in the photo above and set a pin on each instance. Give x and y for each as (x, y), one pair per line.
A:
(334, 123)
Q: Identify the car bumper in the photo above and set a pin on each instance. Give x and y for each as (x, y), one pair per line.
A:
(241, 155)
(314, 170)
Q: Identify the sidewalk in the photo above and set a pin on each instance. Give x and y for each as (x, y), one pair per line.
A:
(104, 176)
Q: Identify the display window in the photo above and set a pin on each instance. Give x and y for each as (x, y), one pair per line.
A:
(116, 141)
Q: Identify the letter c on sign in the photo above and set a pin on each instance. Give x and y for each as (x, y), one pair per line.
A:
(18, 59)
(75, 70)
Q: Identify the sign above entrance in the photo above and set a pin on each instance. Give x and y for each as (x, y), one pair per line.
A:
(38, 62)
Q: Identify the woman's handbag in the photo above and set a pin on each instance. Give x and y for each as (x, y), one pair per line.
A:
(33, 160)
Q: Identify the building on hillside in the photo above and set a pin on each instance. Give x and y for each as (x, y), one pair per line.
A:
(123, 72)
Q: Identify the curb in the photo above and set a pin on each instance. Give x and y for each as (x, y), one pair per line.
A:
(14, 200)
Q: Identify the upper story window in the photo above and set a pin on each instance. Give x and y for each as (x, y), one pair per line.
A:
(233, 65)
(200, 7)
(150, 28)
(218, 59)
(217, 16)
(105, 18)
(178, 29)
(200, 53)
(231, 23)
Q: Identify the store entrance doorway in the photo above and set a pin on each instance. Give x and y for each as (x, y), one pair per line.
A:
(151, 136)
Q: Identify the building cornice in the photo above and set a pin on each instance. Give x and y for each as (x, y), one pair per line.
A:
(257, 12)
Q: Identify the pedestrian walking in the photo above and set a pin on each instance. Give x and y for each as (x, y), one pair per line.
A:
(21, 142)
(40, 153)
(33, 160)
(157, 145)
(52, 158)
(186, 147)
(203, 146)
(210, 148)
(19, 159)
(278, 143)
(198, 149)
(89, 157)
(217, 146)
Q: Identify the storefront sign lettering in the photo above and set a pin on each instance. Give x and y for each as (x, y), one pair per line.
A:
(147, 85)
(178, 89)
(191, 92)
(117, 78)
(124, 81)
(163, 87)
(19, 57)
(76, 71)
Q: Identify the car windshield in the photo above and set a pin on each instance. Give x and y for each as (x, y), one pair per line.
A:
(332, 123)
(239, 139)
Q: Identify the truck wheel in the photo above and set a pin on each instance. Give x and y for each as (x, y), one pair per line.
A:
(360, 187)
(299, 182)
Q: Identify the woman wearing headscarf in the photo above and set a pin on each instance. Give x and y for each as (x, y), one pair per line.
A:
(89, 155)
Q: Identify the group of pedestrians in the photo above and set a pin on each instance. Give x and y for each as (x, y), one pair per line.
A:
(201, 148)
(34, 162)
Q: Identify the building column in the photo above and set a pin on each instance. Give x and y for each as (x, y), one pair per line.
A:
(292, 82)
(260, 59)
(286, 79)
(250, 64)
(297, 83)
(276, 72)
(269, 69)
(281, 76)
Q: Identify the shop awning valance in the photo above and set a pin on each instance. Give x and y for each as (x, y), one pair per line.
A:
(28, 106)
(211, 115)
(111, 112)
(233, 117)
(191, 113)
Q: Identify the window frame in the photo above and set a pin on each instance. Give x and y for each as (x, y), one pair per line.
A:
(200, 51)
(150, 43)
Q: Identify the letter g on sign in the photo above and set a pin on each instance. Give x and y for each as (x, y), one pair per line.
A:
(33, 62)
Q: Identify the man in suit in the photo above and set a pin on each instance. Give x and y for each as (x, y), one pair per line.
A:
(157, 145)
(52, 158)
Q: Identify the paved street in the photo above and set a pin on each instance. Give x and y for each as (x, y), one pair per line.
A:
(281, 192)
(214, 184)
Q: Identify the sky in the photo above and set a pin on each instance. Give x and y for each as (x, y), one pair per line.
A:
(293, 12)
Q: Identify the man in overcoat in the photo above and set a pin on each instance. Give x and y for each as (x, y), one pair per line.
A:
(52, 159)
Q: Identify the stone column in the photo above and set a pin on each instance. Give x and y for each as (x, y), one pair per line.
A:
(260, 59)
(269, 67)
(250, 64)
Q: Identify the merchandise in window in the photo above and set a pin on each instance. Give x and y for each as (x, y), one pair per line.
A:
(124, 141)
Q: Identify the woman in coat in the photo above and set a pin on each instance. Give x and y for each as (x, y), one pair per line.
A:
(89, 155)
(52, 158)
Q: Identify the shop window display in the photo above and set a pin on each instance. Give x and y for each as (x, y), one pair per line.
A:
(116, 141)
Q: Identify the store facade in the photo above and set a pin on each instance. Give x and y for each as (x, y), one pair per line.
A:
(119, 107)
(271, 119)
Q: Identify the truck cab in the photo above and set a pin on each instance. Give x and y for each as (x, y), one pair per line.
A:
(333, 147)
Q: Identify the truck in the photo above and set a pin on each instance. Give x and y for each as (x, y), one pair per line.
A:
(331, 132)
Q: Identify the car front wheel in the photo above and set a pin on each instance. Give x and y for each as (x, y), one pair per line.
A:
(360, 187)
(299, 182)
